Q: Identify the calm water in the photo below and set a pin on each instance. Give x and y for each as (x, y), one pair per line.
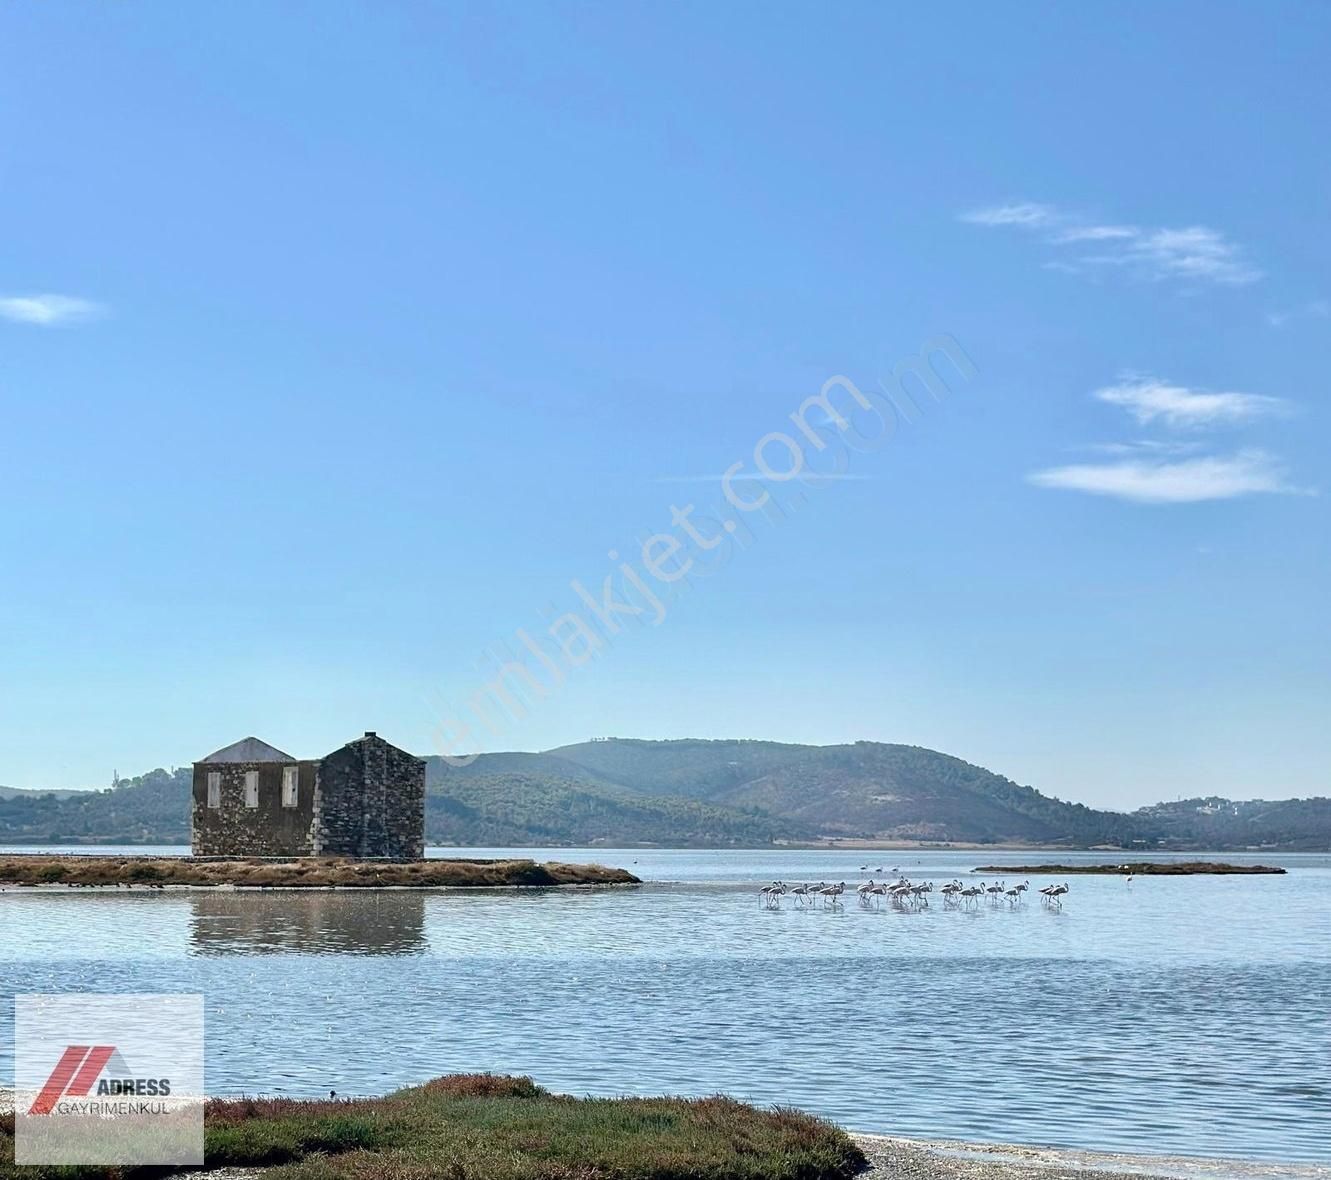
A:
(1188, 1015)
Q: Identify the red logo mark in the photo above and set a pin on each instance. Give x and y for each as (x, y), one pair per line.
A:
(74, 1074)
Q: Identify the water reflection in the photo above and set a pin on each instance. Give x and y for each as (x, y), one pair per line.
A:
(1185, 1014)
(372, 923)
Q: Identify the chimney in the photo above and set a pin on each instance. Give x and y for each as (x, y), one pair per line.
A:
(370, 733)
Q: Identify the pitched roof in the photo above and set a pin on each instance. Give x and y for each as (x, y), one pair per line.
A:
(371, 736)
(249, 749)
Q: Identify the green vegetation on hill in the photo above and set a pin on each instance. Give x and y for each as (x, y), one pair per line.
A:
(32, 792)
(691, 767)
(715, 794)
(505, 809)
(150, 809)
(1221, 823)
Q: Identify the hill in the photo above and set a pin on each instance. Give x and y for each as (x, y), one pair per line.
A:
(718, 794)
(1296, 824)
(150, 809)
(34, 792)
(868, 790)
(513, 809)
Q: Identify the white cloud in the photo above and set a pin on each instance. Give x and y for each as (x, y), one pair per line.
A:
(1188, 481)
(1172, 470)
(1195, 253)
(48, 310)
(1149, 399)
(1315, 309)
(1026, 213)
(1096, 233)
(749, 476)
(1145, 446)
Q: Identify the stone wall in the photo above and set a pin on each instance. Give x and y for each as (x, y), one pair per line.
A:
(267, 830)
(371, 801)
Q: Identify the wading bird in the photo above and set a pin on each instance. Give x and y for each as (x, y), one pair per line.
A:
(830, 893)
(1053, 894)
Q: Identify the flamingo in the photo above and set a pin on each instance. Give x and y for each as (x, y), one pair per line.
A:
(1053, 894)
(869, 893)
(831, 893)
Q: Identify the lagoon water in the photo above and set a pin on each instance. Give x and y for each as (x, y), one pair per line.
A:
(1186, 1015)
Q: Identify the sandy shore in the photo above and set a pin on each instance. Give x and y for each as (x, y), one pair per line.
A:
(916, 1159)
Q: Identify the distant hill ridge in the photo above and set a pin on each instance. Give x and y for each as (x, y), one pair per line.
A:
(33, 792)
(717, 793)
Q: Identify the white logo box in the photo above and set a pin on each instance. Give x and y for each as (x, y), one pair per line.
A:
(108, 1078)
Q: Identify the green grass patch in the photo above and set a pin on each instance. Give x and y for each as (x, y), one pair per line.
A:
(484, 1127)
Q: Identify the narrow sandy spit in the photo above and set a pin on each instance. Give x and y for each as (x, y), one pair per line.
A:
(916, 1159)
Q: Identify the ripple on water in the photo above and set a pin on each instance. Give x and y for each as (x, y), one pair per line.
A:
(1188, 1015)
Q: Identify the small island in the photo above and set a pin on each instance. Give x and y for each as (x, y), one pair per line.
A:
(1141, 868)
(159, 872)
(261, 819)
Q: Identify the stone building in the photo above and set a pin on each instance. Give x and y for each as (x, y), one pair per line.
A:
(366, 799)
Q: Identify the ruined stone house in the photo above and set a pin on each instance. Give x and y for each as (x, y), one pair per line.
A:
(366, 799)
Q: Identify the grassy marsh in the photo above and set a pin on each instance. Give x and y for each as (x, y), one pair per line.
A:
(485, 1127)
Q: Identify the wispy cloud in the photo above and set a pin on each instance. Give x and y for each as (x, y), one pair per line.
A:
(1096, 233)
(1194, 253)
(1145, 446)
(1314, 309)
(1025, 213)
(753, 475)
(1149, 400)
(1175, 470)
(48, 310)
(1186, 481)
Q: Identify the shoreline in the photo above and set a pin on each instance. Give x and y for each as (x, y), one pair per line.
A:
(1141, 868)
(65, 872)
(893, 1157)
(844, 844)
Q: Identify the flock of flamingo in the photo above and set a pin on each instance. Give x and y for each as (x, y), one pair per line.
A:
(906, 894)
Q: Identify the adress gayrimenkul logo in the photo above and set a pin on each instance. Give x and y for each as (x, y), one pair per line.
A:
(108, 1078)
(85, 1068)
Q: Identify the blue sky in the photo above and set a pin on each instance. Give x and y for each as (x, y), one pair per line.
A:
(336, 342)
